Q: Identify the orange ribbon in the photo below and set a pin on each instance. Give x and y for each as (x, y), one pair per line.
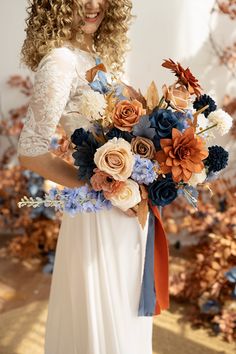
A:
(161, 264)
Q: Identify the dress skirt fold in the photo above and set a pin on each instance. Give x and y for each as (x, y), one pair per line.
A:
(96, 285)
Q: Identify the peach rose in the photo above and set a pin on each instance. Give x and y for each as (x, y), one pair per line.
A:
(143, 147)
(127, 197)
(126, 114)
(177, 96)
(101, 181)
(115, 158)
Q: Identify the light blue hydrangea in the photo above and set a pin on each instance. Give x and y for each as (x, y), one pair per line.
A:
(74, 200)
(143, 170)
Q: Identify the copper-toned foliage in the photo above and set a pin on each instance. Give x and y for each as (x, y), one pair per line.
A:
(185, 76)
(203, 278)
(11, 124)
(228, 56)
(39, 238)
(228, 7)
(24, 84)
(32, 238)
(182, 155)
(229, 105)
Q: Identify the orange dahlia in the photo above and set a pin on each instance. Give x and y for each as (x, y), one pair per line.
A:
(185, 76)
(182, 155)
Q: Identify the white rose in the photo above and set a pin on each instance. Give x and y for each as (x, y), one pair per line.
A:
(197, 178)
(223, 120)
(128, 196)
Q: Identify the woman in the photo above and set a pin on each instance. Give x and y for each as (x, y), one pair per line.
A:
(96, 283)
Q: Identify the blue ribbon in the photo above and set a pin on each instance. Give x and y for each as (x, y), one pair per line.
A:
(148, 294)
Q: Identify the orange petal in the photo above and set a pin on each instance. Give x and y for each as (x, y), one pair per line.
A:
(187, 175)
(160, 156)
(167, 150)
(165, 142)
(169, 162)
(176, 133)
(176, 171)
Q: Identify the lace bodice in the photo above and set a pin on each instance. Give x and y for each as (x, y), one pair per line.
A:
(59, 83)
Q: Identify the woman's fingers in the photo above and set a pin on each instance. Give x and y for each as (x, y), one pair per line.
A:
(132, 211)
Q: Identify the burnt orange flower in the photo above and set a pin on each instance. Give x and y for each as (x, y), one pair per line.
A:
(185, 76)
(182, 155)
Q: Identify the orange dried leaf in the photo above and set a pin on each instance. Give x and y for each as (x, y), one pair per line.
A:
(91, 73)
(142, 212)
(152, 96)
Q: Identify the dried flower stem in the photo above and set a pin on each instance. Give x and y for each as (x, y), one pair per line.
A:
(208, 128)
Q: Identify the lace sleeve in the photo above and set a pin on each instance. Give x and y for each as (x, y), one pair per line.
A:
(52, 87)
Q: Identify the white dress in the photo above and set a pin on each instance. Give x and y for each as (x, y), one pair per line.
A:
(96, 282)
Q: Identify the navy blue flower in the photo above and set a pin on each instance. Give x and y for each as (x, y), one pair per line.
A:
(163, 191)
(84, 157)
(203, 101)
(217, 158)
(117, 133)
(79, 136)
(163, 120)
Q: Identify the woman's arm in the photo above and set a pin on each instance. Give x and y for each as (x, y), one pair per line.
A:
(53, 168)
(52, 86)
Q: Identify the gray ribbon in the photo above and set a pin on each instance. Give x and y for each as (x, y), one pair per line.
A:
(147, 301)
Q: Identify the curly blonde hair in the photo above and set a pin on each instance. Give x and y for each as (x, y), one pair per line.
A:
(50, 25)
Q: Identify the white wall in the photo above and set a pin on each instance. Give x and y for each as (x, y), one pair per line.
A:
(12, 16)
(177, 29)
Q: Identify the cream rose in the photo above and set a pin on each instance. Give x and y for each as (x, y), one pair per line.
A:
(177, 96)
(127, 197)
(115, 158)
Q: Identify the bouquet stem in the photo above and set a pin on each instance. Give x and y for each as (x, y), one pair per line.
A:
(208, 128)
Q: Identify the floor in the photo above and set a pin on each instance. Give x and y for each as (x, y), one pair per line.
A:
(24, 290)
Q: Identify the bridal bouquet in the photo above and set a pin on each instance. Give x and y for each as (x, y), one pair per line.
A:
(138, 151)
(142, 152)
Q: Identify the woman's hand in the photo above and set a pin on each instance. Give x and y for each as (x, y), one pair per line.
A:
(132, 211)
